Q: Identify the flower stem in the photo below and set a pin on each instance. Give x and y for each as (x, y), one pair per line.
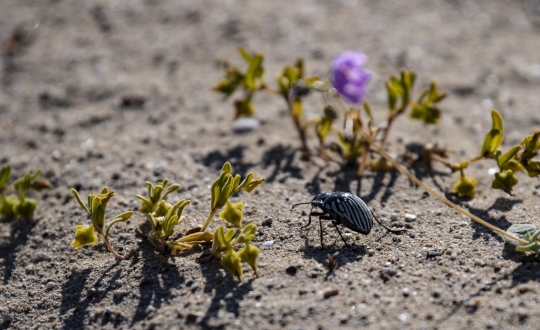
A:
(207, 222)
(437, 195)
(109, 247)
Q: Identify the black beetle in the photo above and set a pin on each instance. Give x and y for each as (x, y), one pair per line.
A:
(345, 209)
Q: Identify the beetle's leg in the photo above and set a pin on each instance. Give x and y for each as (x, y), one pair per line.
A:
(335, 223)
(322, 216)
(395, 231)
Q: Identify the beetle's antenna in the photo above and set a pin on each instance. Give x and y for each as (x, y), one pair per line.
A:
(395, 231)
(295, 205)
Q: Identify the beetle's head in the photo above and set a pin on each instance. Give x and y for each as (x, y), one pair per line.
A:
(317, 200)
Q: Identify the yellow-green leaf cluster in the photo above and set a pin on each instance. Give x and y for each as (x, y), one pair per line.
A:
(95, 209)
(223, 247)
(19, 206)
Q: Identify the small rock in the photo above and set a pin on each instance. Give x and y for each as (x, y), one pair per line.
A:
(405, 292)
(268, 243)
(291, 270)
(119, 294)
(56, 154)
(51, 285)
(39, 256)
(328, 293)
(394, 217)
(267, 222)
(388, 271)
(371, 252)
(410, 217)
(245, 125)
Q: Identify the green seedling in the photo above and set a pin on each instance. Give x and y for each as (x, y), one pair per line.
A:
(222, 189)
(86, 235)
(162, 216)
(224, 248)
(292, 87)
(20, 206)
(250, 80)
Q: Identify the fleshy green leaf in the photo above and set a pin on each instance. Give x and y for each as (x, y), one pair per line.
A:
(232, 213)
(98, 214)
(505, 181)
(428, 114)
(79, 200)
(25, 208)
(465, 186)
(226, 191)
(231, 262)
(4, 176)
(84, 236)
(502, 160)
(228, 83)
(519, 230)
(201, 236)
(533, 168)
(245, 54)
(243, 108)
(247, 234)
(249, 254)
(494, 138)
(254, 72)
(392, 96)
(6, 205)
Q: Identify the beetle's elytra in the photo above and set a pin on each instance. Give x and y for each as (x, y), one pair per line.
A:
(345, 209)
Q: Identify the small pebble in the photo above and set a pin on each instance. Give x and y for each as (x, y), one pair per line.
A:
(40, 255)
(245, 125)
(291, 270)
(388, 271)
(268, 243)
(394, 217)
(330, 293)
(405, 292)
(410, 217)
(56, 154)
(119, 294)
(51, 285)
(267, 221)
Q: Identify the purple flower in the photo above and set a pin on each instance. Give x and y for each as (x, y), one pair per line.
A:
(349, 76)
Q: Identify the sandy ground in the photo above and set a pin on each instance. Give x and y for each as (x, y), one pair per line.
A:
(118, 92)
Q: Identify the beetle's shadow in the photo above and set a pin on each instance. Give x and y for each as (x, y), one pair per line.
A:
(332, 244)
